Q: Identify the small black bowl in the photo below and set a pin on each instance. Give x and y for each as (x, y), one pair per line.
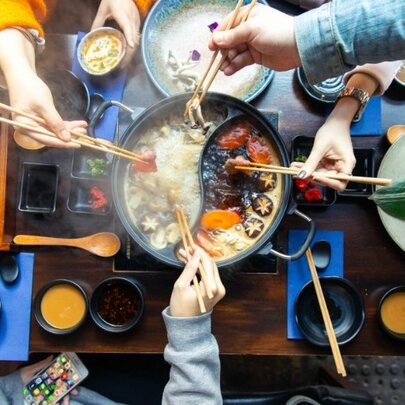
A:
(117, 304)
(38, 312)
(345, 306)
(383, 304)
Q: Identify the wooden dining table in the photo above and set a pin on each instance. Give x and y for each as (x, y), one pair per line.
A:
(252, 317)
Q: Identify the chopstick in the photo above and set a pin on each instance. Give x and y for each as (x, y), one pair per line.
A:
(260, 167)
(210, 295)
(231, 21)
(340, 367)
(94, 143)
(195, 280)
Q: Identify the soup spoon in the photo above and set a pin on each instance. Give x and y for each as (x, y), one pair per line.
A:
(321, 252)
(104, 244)
(9, 269)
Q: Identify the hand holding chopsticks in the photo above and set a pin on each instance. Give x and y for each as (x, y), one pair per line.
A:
(258, 167)
(79, 138)
(189, 245)
(340, 367)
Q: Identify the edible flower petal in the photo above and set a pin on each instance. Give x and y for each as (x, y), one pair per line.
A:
(195, 55)
(213, 26)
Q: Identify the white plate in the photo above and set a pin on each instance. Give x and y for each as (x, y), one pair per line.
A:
(393, 167)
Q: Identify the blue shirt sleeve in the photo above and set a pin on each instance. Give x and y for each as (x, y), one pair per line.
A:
(334, 38)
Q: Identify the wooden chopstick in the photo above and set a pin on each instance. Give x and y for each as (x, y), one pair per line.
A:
(191, 242)
(186, 247)
(3, 177)
(229, 25)
(90, 140)
(259, 167)
(340, 367)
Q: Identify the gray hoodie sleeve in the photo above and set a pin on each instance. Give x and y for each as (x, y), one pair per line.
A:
(11, 389)
(193, 354)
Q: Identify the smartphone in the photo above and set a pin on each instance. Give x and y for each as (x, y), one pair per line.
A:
(55, 380)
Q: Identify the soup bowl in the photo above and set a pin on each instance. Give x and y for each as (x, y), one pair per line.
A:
(391, 312)
(60, 306)
(153, 129)
(117, 304)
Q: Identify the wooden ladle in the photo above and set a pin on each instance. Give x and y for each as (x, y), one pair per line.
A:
(394, 132)
(104, 244)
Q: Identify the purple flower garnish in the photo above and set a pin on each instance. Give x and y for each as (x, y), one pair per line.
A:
(213, 26)
(195, 55)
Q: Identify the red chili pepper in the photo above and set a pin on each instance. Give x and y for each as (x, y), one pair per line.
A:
(301, 184)
(98, 200)
(313, 194)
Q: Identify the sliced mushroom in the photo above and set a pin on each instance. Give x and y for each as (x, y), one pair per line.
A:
(267, 181)
(262, 205)
(149, 224)
(158, 240)
(173, 232)
(253, 227)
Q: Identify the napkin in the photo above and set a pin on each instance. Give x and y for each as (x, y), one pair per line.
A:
(16, 312)
(111, 88)
(298, 273)
(370, 123)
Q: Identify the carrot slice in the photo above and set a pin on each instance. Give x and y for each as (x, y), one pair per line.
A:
(220, 219)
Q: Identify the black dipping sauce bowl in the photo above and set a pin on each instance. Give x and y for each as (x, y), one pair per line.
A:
(117, 304)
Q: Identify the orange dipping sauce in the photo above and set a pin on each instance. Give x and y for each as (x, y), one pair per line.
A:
(393, 312)
(63, 306)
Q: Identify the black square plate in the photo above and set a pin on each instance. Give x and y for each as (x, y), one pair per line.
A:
(81, 165)
(38, 190)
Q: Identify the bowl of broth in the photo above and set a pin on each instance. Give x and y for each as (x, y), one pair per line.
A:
(101, 51)
(117, 304)
(391, 312)
(61, 306)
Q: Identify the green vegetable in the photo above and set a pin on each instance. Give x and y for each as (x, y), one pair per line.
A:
(391, 199)
(301, 158)
(97, 166)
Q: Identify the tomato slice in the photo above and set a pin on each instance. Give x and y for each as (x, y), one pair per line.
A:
(204, 241)
(257, 150)
(235, 136)
(220, 219)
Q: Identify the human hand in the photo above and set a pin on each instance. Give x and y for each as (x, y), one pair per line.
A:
(27, 374)
(183, 302)
(127, 16)
(267, 38)
(332, 153)
(31, 95)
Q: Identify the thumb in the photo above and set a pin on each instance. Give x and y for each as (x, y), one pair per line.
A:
(55, 123)
(232, 37)
(311, 163)
(99, 21)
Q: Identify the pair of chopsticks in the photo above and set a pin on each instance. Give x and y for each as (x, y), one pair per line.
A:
(78, 137)
(188, 243)
(340, 367)
(260, 167)
(199, 99)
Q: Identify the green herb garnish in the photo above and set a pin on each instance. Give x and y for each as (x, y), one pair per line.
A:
(301, 158)
(97, 166)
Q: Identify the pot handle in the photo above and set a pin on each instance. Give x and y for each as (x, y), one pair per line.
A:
(101, 110)
(305, 244)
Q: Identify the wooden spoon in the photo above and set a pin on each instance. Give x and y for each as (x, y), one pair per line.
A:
(394, 132)
(104, 244)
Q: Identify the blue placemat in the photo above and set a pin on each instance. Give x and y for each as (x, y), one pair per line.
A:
(298, 271)
(111, 88)
(370, 123)
(16, 312)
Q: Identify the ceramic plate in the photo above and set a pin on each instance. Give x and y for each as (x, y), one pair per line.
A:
(326, 91)
(181, 26)
(393, 167)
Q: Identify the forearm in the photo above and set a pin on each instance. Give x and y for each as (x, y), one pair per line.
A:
(17, 56)
(336, 37)
(193, 354)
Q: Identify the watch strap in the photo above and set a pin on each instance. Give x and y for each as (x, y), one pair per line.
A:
(362, 96)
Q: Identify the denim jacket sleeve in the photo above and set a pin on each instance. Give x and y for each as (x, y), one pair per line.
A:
(339, 35)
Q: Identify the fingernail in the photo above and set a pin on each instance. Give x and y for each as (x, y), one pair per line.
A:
(302, 174)
(65, 135)
(218, 37)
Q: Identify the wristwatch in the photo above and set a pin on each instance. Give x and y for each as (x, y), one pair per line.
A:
(358, 94)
